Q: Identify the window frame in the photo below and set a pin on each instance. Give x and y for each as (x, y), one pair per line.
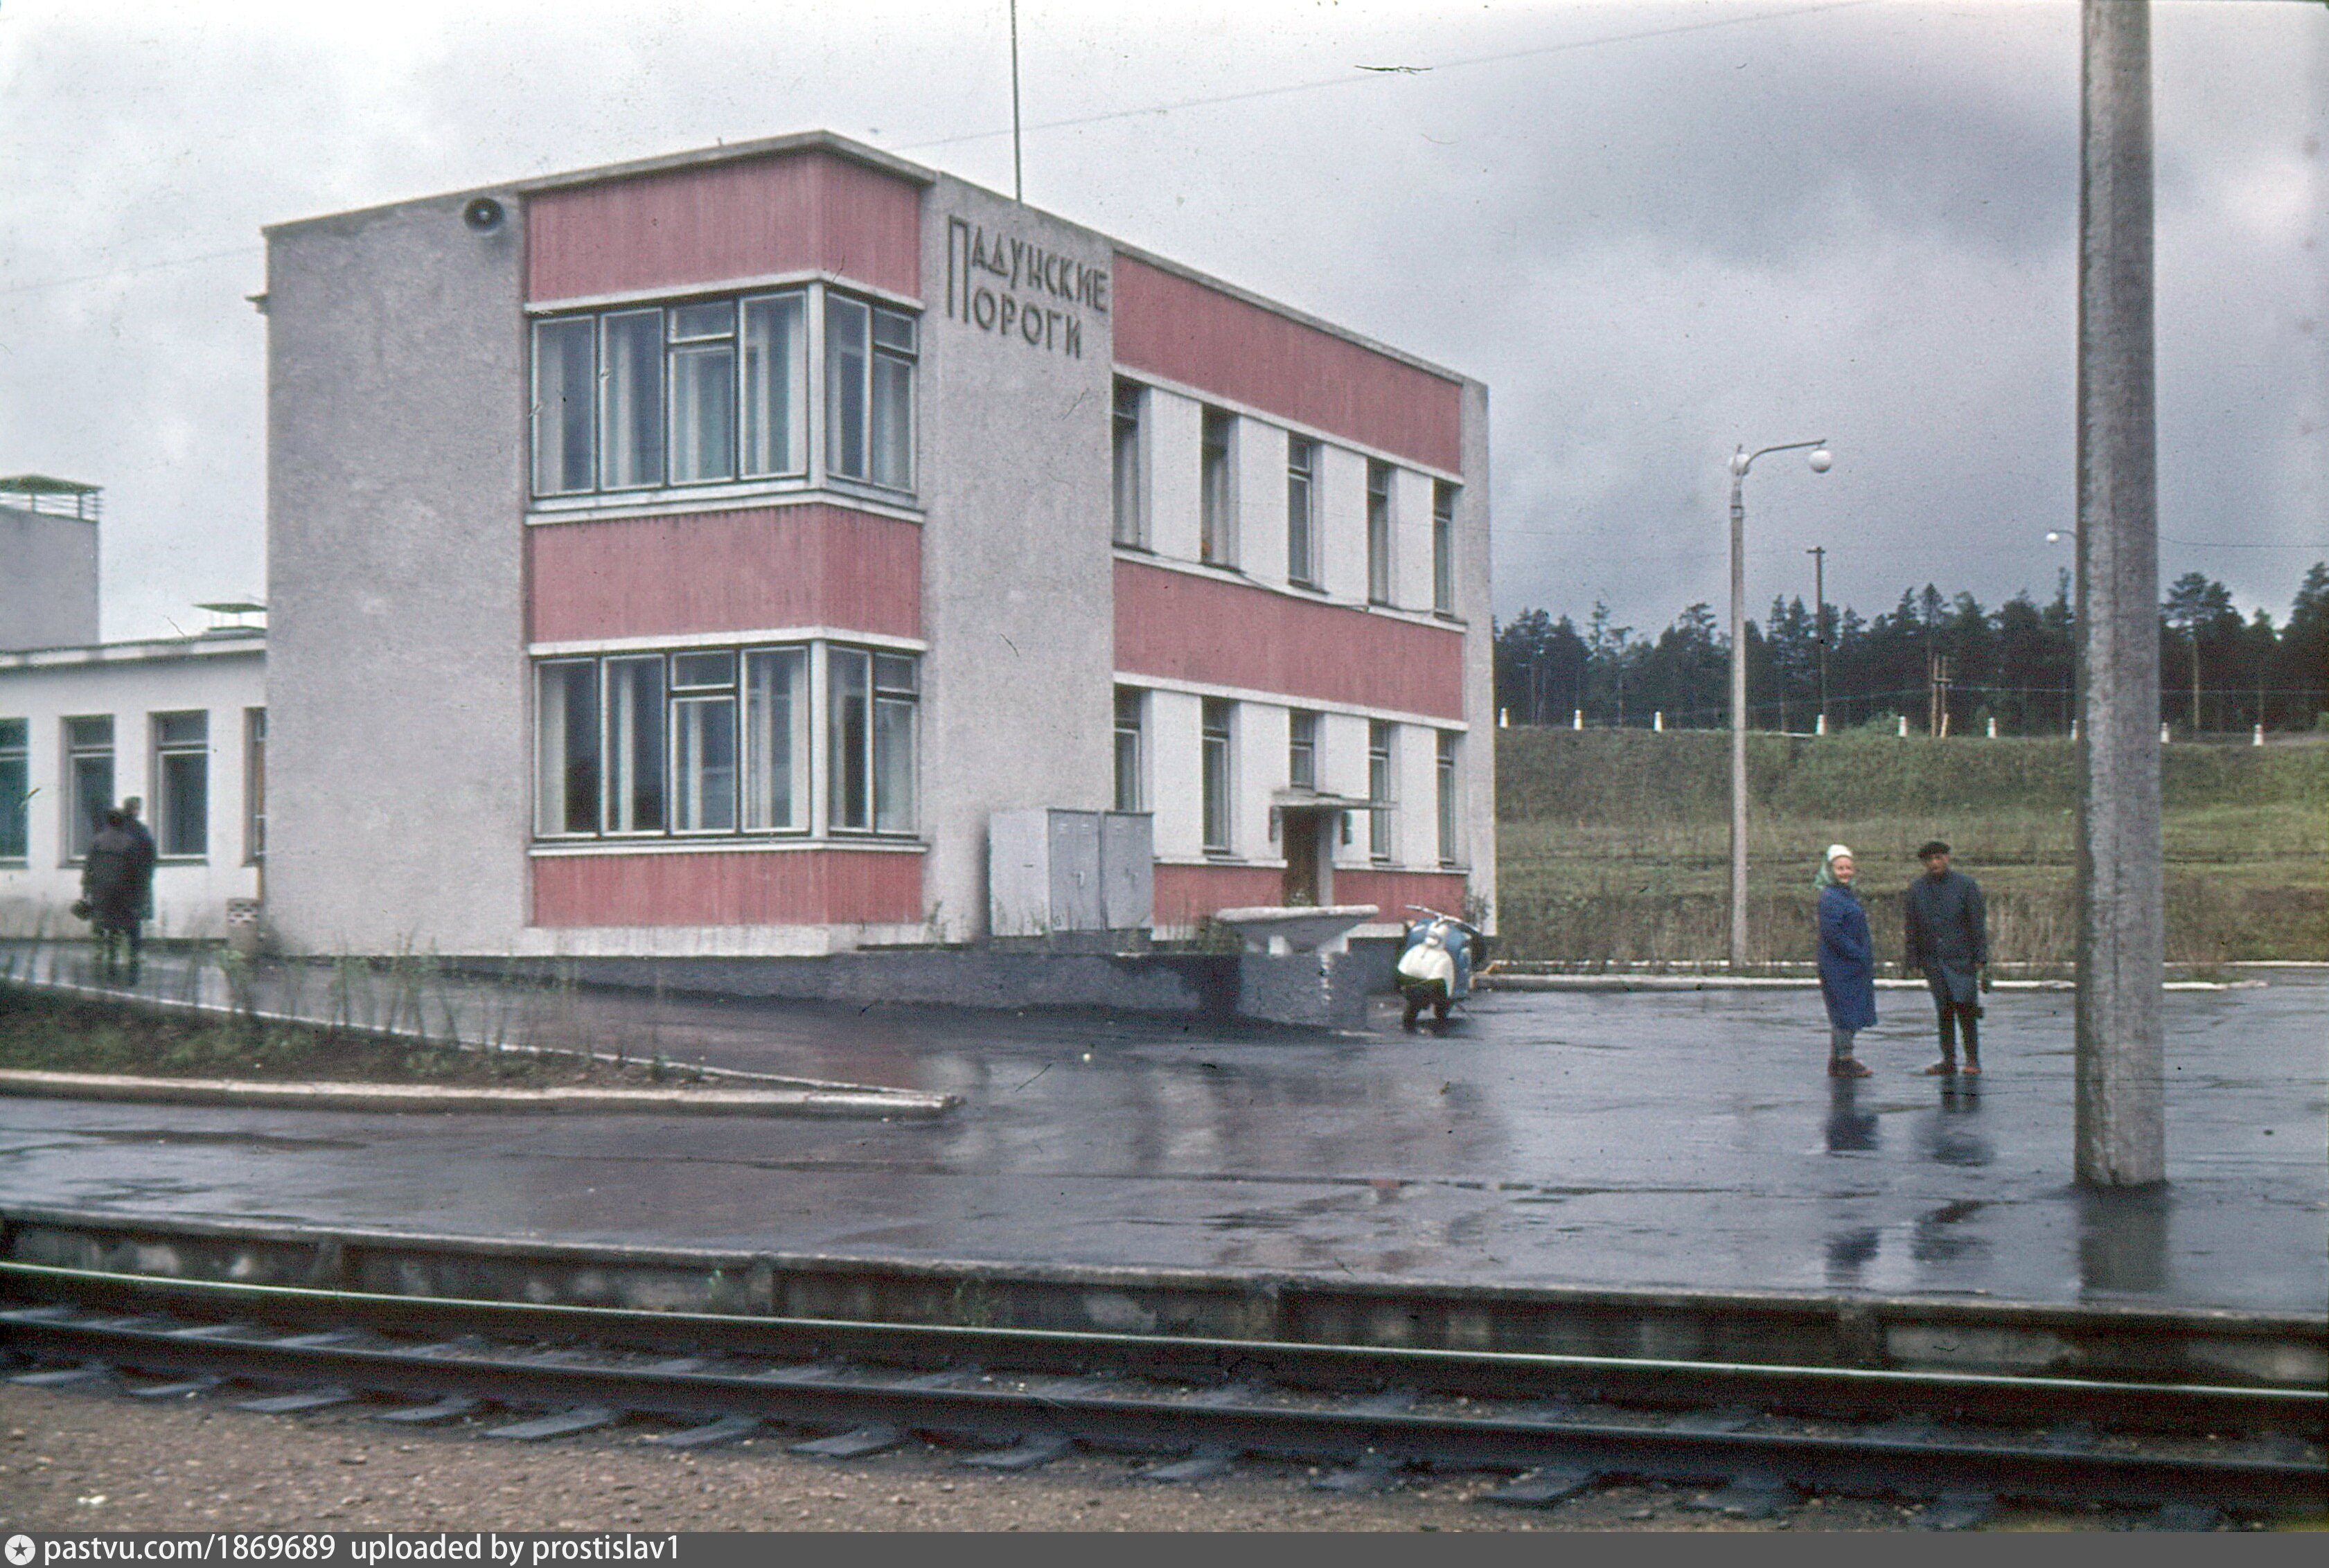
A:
(1447, 778)
(1301, 749)
(792, 320)
(1128, 432)
(254, 787)
(1302, 511)
(1382, 785)
(80, 826)
(1216, 770)
(1443, 547)
(16, 791)
(162, 754)
(1131, 765)
(1380, 531)
(1217, 542)
(866, 750)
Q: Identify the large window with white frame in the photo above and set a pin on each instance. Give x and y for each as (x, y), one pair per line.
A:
(1131, 523)
(1302, 511)
(692, 743)
(1379, 532)
(15, 789)
(1451, 843)
(1218, 773)
(714, 391)
(89, 780)
(873, 698)
(1443, 547)
(1131, 712)
(182, 784)
(1379, 789)
(1216, 491)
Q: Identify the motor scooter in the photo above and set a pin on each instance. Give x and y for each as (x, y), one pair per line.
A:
(1434, 966)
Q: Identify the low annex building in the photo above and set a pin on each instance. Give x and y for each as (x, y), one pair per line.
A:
(695, 555)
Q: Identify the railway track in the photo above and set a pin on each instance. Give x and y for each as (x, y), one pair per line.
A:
(1556, 1424)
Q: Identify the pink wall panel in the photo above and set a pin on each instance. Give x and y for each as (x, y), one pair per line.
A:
(1186, 893)
(1173, 327)
(721, 221)
(1393, 891)
(789, 888)
(725, 571)
(1185, 627)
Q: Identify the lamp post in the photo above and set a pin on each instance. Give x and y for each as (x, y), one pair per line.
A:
(1741, 462)
(1818, 553)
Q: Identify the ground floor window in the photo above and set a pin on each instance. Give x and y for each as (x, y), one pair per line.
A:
(182, 781)
(1451, 848)
(1379, 789)
(709, 741)
(254, 784)
(1129, 736)
(16, 791)
(1217, 775)
(89, 780)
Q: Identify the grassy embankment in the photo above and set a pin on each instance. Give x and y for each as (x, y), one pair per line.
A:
(1614, 845)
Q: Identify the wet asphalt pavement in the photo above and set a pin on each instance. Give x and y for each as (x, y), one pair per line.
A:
(1644, 1140)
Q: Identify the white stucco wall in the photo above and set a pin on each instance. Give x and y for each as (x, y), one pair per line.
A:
(221, 676)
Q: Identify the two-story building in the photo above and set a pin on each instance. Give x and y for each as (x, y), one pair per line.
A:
(690, 556)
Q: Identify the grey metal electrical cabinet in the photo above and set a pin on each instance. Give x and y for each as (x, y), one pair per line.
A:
(1053, 870)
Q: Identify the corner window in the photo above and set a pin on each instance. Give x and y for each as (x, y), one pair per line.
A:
(1301, 510)
(1379, 522)
(1217, 775)
(181, 777)
(1130, 525)
(705, 392)
(1443, 547)
(1451, 848)
(694, 743)
(1129, 728)
(873, 697)
(15, 789)
(89, 780)
(1302, 750)
(1379, 789)
(1216, 498)
(869, 395)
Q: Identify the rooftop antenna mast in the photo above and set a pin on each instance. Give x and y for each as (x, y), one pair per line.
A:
(1018, 180)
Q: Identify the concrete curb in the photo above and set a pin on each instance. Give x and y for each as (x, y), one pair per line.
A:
(869, 1103)
(1780, 982)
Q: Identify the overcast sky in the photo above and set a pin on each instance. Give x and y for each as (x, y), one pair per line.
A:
(1656, 229)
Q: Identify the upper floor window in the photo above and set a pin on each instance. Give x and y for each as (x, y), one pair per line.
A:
(1128, 737)
(15, 789)
(1302, 750)
(1378, 533)
(1216, 496)
(182, 778)
(1131, 526)
(869, 392)
(716, 390)
(1301, 510)
(1443, 547)
(89, 780)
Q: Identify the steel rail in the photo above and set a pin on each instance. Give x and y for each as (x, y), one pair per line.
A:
(822, 1394)
(1842, 1393)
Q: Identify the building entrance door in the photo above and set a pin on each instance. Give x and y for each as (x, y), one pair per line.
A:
(1305, 835)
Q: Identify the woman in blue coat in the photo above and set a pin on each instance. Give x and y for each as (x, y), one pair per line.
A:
(1847, 962)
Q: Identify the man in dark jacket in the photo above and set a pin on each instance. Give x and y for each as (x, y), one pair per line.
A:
(1948, 932)
(113, 882)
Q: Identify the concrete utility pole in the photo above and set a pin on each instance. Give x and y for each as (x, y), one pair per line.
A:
(2121, 1056)
(1741, 462)
(1818, 553)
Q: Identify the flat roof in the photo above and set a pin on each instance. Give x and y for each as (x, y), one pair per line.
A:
(222, 644)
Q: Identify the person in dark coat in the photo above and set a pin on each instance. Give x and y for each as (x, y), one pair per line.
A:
(147, 854)
(1847, 962)
(1946, 929)
(112, 884)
